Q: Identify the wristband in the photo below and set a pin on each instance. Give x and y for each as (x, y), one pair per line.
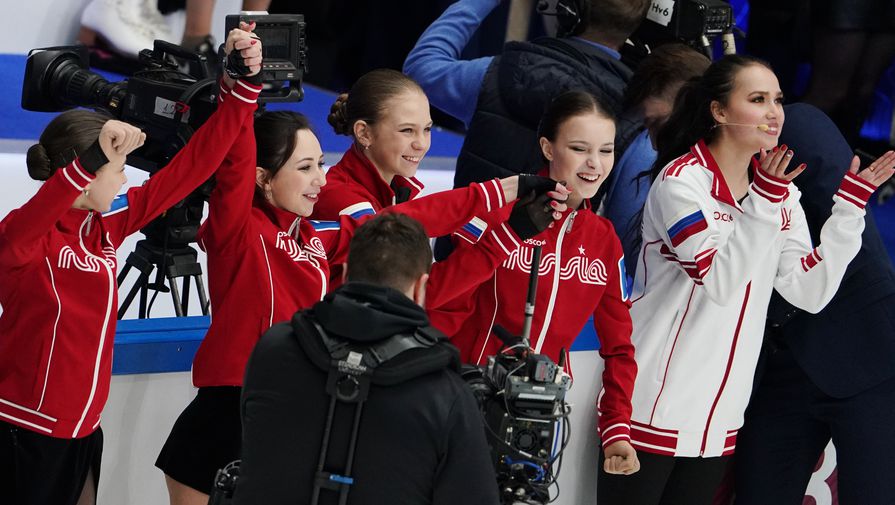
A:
(93, 158)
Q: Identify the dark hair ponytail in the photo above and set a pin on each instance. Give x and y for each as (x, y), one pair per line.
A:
(691, 119)
(65, 138)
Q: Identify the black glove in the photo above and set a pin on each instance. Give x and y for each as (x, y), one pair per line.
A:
(529, 183)
(235, 67)
(531, 215)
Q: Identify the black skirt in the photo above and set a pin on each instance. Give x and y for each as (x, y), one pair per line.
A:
(37, 469)
(206, 437)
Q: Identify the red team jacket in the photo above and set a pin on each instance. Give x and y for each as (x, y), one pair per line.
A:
(355, 188)
(265, 263)
(581, 274)
(57, 280)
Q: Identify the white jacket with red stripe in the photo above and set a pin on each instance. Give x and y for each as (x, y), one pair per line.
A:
(57, 280)
(705, 274)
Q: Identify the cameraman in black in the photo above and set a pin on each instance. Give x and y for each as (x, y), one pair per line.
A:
(420, 438)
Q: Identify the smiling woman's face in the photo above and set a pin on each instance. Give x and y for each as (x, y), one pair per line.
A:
(582, 154)
(296, 185)
(402, 136)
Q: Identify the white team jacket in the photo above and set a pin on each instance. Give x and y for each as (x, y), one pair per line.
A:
(705, 274)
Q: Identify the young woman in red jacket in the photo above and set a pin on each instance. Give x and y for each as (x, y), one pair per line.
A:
(387, 115)
(58, 290)
(266, 260)
(581, 274)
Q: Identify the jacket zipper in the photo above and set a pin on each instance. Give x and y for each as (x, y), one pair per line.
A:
(105, 327)
(557, 267)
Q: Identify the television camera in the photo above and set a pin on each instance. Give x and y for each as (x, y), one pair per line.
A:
(522, 397)
(172, 95)
(696, 23)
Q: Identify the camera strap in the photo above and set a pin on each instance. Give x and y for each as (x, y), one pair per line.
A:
(349, 376)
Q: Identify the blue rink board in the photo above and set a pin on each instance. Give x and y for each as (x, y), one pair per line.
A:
(168, 344)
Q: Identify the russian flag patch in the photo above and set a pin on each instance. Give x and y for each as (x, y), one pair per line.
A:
(119, 204)
(473, 230)
(686, 227)
(358, 210)
(324, 225)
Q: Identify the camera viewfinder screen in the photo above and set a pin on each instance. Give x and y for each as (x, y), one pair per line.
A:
(275, 43)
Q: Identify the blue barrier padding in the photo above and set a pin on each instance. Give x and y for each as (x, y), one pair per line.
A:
(157, 345)
(168, 344)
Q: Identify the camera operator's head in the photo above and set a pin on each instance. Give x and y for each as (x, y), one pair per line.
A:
(657, 80)
(290, 173)
(391, 250)
(387, 114)
(611, 22)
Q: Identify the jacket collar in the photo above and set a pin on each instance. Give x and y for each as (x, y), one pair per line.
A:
(71, 221)
(585, 203)
(283, 219)
(608, 50)
(720, 189)
(362, 171)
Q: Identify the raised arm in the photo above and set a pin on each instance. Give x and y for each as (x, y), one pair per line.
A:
(230, 203)
(451, 84)
(21, 230)
(204, 152)
(809, 277)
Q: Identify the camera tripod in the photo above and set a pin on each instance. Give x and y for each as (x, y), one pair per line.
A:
(170, 264)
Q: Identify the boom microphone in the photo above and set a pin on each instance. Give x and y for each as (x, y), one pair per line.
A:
(763, 127)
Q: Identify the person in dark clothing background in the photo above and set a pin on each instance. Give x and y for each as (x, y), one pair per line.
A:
(421, 437)
(501, 98)
(827, 375)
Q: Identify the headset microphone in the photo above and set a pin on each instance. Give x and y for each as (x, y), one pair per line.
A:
(763, 127)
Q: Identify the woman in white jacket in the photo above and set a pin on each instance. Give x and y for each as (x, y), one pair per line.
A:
(722, 229)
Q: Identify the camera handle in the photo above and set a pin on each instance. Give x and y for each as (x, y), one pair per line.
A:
(161, 49)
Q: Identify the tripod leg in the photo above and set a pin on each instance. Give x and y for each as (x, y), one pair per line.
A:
(175, 296)
(144, 293)
(203, 298)
(141, 281)
(123, 274)
(185, 297)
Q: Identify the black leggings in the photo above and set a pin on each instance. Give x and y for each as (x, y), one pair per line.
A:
(663, 480)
